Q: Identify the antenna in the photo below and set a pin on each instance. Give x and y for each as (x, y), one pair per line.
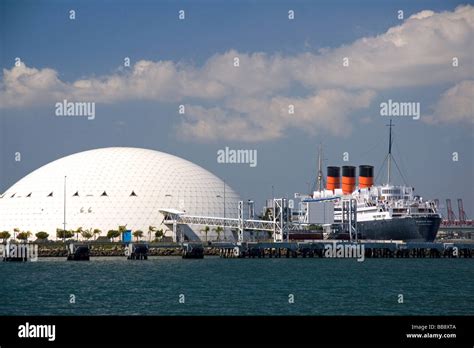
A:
(320, 169)
(389, 163)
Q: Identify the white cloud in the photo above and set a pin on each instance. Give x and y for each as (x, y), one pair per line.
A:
(254, 119)
(25, 86)
(249, 101)
(456, 105)
(422, 14)
(418, 52)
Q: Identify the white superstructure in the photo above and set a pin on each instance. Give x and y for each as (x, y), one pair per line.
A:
(387, 202)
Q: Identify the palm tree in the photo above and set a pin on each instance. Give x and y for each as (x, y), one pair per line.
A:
(78, 232)
(24, 236)
(4, 235)
(42, 235)
(218, 230)
(159, 234)
(206, 231)
(138, 234)
(87, 234)
(151, 229)
(122, 229)
(112, 234)
(96, 232)
(64, 234)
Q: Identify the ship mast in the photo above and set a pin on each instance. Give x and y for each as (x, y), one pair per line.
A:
(389, 163)
(320, 171)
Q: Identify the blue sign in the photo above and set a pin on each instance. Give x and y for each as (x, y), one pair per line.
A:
(127, 236)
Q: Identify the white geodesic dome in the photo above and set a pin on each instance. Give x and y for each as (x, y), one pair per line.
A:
(114, 186)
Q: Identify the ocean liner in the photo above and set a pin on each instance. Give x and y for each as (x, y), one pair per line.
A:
(383, 212)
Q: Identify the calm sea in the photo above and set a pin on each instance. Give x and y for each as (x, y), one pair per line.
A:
(214, 286)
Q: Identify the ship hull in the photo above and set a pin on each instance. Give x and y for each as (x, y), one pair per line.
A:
(410, 229)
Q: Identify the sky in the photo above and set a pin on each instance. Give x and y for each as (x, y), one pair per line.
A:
(426, 57)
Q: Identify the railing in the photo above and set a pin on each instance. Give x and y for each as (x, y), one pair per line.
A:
(261, 225)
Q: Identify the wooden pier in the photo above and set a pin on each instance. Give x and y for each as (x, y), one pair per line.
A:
(369, 249)
(78, 252)
(308, 249)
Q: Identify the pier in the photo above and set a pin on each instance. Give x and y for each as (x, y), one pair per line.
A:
(78, 252)
(193, 251)
(263, 249)
(136, 251)
(370, 249)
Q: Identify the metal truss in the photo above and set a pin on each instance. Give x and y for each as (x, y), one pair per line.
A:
(349, 217)
(279, 226)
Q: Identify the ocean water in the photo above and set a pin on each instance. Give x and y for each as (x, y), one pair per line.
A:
(214, 286)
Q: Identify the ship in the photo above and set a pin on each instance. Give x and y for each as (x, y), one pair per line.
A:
(380, 212)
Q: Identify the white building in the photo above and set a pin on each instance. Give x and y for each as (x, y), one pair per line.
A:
(108, 187)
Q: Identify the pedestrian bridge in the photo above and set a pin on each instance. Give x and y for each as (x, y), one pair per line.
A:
(279, 225)
(183, 218)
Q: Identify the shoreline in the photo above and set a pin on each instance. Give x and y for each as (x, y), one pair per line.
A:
(226, 250)
(120, 251)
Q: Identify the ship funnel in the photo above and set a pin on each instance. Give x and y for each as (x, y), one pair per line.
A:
(348, 179)
(333, 180)
(366, 176)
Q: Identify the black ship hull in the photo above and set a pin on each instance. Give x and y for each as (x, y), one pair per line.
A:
(409, 229)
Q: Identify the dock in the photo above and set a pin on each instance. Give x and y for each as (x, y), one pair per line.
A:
(346, 249)
(262, 249)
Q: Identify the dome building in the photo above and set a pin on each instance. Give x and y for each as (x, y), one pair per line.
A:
(108, 187)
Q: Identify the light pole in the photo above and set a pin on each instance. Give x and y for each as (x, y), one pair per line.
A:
(219, 196)
(175, 227)
(224, 206)
(64, 222)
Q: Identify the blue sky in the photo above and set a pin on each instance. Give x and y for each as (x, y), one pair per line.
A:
(92, 48)
(105, 31)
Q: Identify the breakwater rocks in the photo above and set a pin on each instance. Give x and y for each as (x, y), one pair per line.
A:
(95, 251)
